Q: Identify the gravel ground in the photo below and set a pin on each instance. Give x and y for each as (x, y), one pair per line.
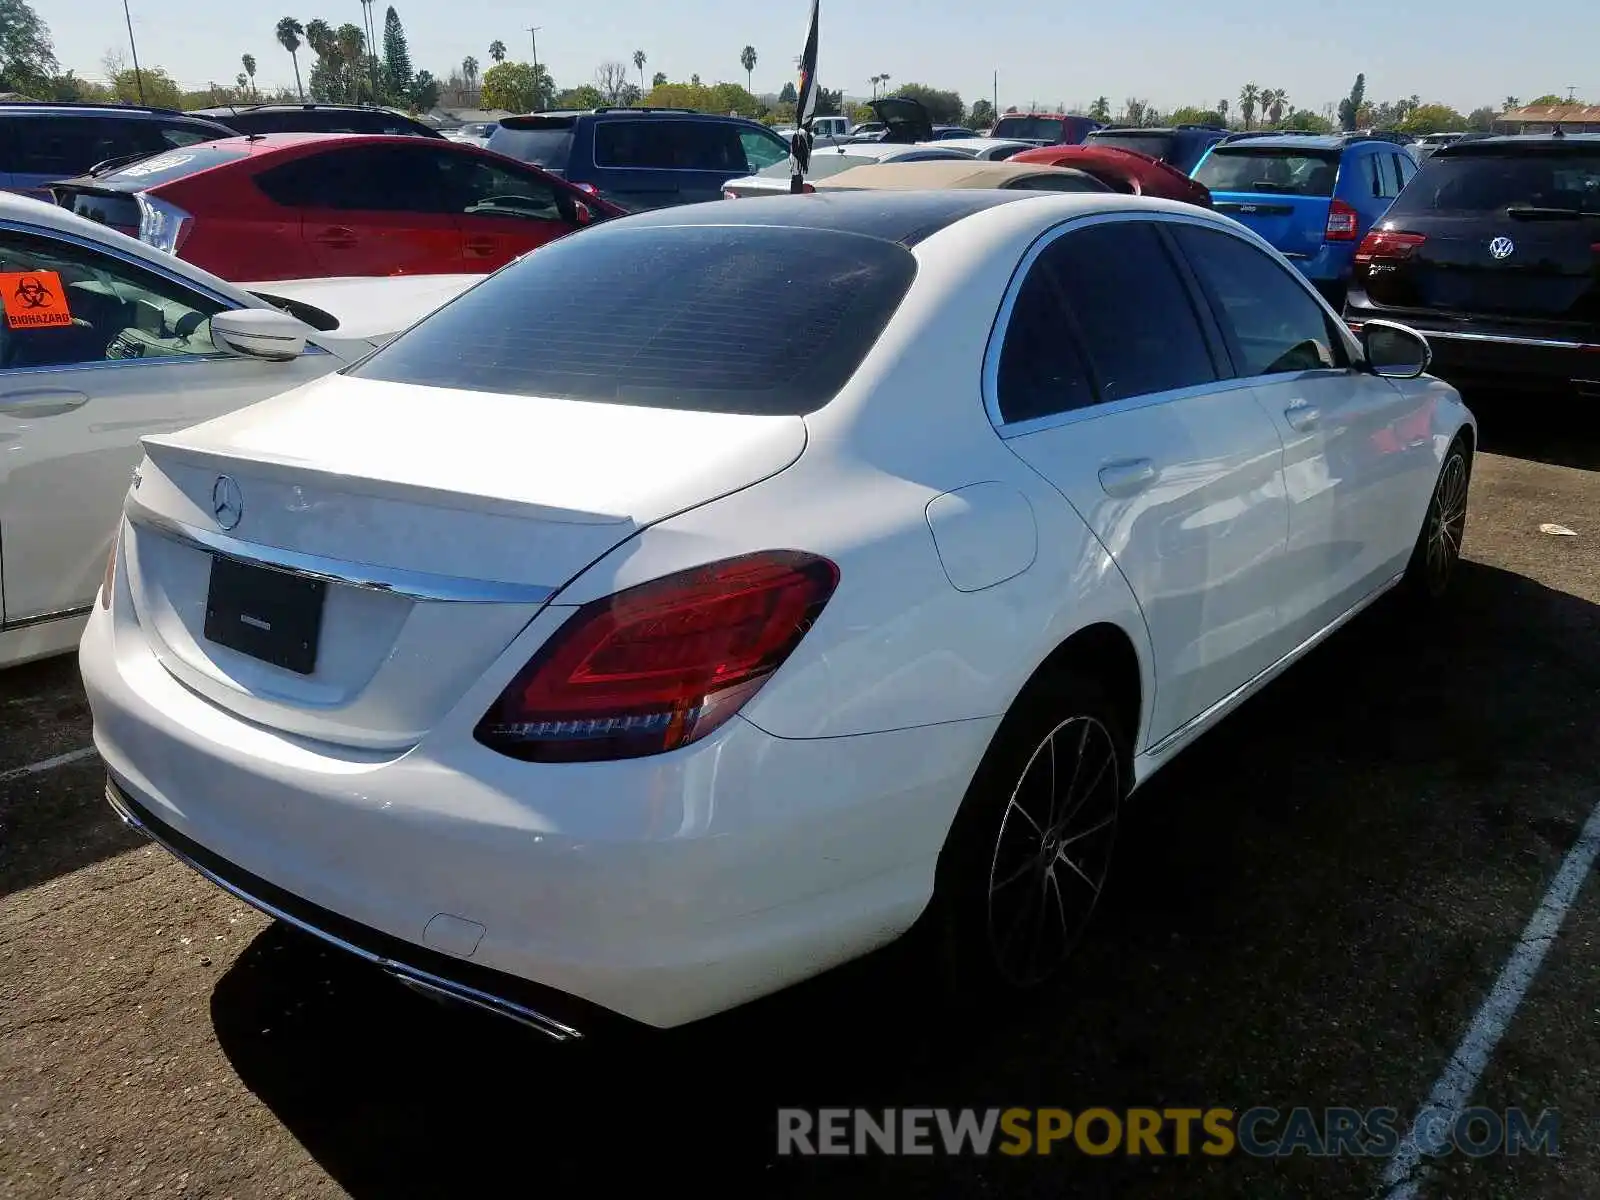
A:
(1308, 908)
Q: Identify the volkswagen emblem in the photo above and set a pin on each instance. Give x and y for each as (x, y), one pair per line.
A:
(227, 502)
(1502, 247)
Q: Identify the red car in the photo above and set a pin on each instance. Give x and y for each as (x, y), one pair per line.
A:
(1127, 171)
(310, 205)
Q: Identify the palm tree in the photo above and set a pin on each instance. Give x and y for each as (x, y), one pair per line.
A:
(352, 44)
(289, 34)
(319, 36)
(1249, 97)
(639, 61)
(1512, 102)
(497, 50)
(1100, 110)
(469, 71)
(1272, 103)
(248, 61)
(747, 59)
(1222, 109)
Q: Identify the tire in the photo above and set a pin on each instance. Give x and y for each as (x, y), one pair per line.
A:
(1016, 887)
(1437, 552)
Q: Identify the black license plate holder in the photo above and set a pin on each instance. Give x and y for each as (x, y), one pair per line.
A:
(267, 614)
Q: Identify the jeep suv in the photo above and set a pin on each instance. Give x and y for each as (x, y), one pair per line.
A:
(41, 144)
(316, 118)
(641, 158)
(1493, 253)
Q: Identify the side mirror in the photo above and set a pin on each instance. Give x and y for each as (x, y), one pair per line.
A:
(259, 333)
(1395, 351)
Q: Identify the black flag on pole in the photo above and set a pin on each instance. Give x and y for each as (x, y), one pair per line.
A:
(805, 108)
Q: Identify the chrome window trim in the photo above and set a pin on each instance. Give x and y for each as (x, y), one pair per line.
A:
(10, 225)
(1002, 323)
(1499, 339)
(415, 585)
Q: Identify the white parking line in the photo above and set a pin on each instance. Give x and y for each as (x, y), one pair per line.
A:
(1462, 1073)
(47, 764)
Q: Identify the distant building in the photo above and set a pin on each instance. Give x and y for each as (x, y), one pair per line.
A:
(1547, 118)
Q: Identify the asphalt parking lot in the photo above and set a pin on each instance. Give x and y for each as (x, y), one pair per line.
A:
(1308, 909)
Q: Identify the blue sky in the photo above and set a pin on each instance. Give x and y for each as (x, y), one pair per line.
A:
(1461, 52)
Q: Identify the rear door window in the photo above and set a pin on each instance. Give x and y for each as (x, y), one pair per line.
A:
(360, 179)
(762, 150)
(707, 146)
(62, 146)
(1270, 171)
(1042, 370)
(745, 319)
(1138, 319)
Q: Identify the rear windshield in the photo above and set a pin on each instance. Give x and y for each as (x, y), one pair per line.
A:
(756, 320)
(120, 210)
(543, 142)
(1156, 145)
(165, 168)
(1493, 183)
(1029, 129)
(1269, 170)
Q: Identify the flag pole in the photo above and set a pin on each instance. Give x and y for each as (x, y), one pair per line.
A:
(805, 109)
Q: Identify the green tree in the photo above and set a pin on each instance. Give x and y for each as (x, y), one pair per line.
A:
(1191, 115)
(27, 56)
(1550, 99)
(397, 72)
(788, 95)
(1350, 107)
(1249, 98)
(497, 51)
(353, 59)
(1481, 120)
(160, 90)
(1304, 118)
(1100, 110)
(424, 92)
(981, 115)
(639, 59)
(517, 87)
(718, 98)
(747, 60)
(944, 107)
(469, 71)
(289, 33)
(1433, 118)
(1273, 101)
(1511, 103)
(658, 79)
(587, 96)
(248, 61)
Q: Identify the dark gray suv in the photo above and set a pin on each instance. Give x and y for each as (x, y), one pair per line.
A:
(642, 158)
(41, 144)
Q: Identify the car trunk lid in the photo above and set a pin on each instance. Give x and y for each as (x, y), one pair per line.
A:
(373, 526)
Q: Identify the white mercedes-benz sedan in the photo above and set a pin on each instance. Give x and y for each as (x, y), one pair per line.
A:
(105, 339)
(839, 561)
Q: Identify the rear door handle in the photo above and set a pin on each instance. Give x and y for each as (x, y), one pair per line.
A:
(340, 238)
(1302, 416)
(1127, 478)
(41, 402)
(481, 247)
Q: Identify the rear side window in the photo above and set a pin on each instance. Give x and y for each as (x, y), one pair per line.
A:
(1493, 183)
(1030, 129)
(754, 320)
(1139, 324)
(1042, 372)
(1269, 171)
(670, 146)
(391, 178)
(64, 146)
(542, 141)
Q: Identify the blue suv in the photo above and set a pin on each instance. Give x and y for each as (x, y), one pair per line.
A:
(641, 158)
(1312, 196)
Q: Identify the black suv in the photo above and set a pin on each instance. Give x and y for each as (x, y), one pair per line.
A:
(316, 118)
(641, 157)
(41, 144)
(1493, 252)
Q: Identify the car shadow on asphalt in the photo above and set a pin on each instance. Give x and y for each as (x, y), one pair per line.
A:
(1561, 431)
(1306, 908)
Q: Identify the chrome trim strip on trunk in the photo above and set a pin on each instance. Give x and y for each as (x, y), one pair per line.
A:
(417, 585)
(412, 976)
(1497, 338)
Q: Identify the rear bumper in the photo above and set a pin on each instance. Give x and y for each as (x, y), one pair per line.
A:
(662, 889)
(1502, 360)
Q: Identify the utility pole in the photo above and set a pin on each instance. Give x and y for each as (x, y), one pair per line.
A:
(533, 36)
(996, 100)
(138, 75)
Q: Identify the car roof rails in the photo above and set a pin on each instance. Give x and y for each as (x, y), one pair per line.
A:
(103, 105)
(606, 108)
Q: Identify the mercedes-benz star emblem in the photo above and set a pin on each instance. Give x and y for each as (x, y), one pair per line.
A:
(227, 502)
(1502, 247)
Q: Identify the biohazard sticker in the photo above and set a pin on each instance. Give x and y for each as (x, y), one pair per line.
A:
(34, 299)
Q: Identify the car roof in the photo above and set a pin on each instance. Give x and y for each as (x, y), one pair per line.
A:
(1465, 146)
(73, 108)
(938, 173)
(237, 109)
(903, 217)
(1300, 141)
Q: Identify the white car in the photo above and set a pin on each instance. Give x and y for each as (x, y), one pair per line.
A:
(106, 339)
(849, 567)
(829, 160)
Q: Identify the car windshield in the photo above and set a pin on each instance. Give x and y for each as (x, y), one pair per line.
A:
(1035, 129)
(758, 320)
(1156, 145)
(823, 164)
(1270, 170)
(1490, 183)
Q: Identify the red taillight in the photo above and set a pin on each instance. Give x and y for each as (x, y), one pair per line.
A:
(1388, 243)
(587, 187)
(729, 194)
(1344, 223)
(660, 665)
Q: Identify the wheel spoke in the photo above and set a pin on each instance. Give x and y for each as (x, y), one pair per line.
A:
(1014, 807)
(1029, 867)
(1089, 832)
